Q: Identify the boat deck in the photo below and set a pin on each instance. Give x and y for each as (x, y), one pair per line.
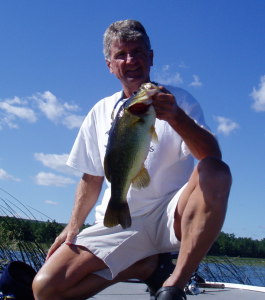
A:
(137, 291)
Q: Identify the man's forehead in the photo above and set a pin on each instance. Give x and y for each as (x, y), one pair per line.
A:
(120, 44)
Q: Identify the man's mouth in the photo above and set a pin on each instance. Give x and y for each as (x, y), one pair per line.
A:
(132, 70)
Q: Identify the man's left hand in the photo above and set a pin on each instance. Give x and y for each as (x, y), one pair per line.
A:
(165, 105)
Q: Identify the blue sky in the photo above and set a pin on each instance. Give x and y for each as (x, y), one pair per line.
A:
(52, 71)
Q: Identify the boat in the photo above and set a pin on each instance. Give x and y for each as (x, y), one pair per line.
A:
(135, 290)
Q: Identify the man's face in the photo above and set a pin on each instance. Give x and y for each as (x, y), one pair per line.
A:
(130, 62)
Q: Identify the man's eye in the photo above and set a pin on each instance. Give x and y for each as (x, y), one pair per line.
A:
(120, 55)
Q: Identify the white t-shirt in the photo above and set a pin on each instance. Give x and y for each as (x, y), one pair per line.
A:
(169, 163)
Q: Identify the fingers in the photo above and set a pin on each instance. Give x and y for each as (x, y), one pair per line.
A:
(164, 90)
(165, 104)
(67, 237)
(57, 243)
(70, 237)
(163, 96)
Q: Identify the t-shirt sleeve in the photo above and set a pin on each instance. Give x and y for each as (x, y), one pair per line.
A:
(193, 109)
(85, 155)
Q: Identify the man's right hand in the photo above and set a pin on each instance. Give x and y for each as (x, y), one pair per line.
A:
(66, 236)
(86, 196)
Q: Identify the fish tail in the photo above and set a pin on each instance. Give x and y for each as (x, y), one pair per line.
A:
(118, 214)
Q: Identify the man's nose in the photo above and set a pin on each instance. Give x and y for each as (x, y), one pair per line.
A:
(130, 58)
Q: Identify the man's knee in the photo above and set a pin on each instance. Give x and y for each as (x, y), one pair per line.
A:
(215, 178)
(43, 288)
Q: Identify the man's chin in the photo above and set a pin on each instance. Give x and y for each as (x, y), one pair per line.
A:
(137, 80)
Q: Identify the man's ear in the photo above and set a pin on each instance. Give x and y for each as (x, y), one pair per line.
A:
(109, 66)
(151, 55)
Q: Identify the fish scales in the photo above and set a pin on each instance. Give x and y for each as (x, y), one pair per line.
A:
(128, 146)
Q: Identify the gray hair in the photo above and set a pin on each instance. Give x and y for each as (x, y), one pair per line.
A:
(127, 30)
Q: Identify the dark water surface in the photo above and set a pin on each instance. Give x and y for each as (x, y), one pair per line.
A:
(243, 272)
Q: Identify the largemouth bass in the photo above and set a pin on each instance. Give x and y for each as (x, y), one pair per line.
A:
(128, 146)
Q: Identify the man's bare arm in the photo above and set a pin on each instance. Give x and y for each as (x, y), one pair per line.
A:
(200, 142)
(86, 196)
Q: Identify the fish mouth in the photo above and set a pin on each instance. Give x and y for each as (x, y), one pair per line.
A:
(139, 108)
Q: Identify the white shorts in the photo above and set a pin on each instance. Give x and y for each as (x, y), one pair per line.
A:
(119, 248)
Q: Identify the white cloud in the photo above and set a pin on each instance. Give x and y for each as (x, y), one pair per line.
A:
(70, 107)
(20, 112)
(73, 121)
(165, 68)
(16, 100)
(50, 179)
(226, 126)
(259, 96)
(10, 111)
(9, 121)
(57, 111)
(196, 82)
(5, 176)
(48, 104)
(182, 65)
(51, 202)
(57, 162)
(167, 77)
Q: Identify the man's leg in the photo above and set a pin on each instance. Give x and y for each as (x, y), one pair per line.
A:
(199, 216)
(67, 274)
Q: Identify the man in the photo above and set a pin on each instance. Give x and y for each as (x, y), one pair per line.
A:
(181, 204)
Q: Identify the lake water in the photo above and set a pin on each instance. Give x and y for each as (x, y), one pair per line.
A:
(243, 271)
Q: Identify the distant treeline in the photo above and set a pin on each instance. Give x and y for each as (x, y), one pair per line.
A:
(229, 245)
(13, 229)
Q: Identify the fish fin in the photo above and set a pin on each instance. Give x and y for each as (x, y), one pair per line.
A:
(117, 214)
(142, 180)
(154, 135)
(106, 170)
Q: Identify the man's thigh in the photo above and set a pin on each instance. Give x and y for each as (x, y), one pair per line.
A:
(67, 266)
